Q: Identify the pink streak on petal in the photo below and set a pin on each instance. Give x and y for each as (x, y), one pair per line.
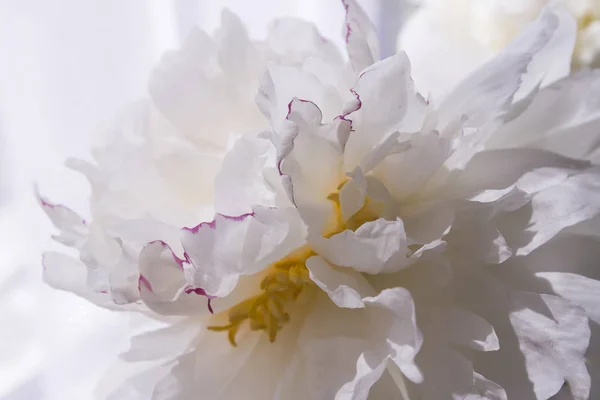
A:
(213, 224)
(178, 260)
(201, 292)
(145, 282)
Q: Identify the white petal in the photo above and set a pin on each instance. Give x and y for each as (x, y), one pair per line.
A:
(308, 159)
(361, 37)
(553, 61)
(563, 118)
(162, 283)
(486, 389)
(424, 278)
(281, 84)
(499, 169)
(243, 180)
(295, 41)
(485, 96)
(486, 93)
(235, 50)
(179, 86)
(73, 228)
(346, 288)
(353, 194)
(426, 154)
(574, 200)
(179, 382)
(360, 341)
(553, 336)
(584, 292)
(174, 340)
(382, 92)
(66, 273)
(221, 251)
(375, 247)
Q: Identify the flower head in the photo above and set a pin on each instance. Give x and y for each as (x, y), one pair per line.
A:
(374, 244)
(464, 34)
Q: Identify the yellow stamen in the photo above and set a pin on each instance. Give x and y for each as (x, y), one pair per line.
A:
(280, 288)
(286, 280)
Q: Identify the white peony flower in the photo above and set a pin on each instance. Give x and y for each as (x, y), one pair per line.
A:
(154, 167)
(371, 244)
(463, 34)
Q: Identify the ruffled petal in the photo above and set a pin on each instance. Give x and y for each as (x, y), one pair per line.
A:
(221, 251)
(572, 199)
(296, 41)
(362, 44)
(563, 118)
(375, 247)
(383, 95)
(175, 339)
(483, 98)
(553, 336)
(66, 273)
(162, 283)
(361, 341)
(281, 84)
(346, 288)
(583, 291)
(248, 176)
(194, 88)
(73, 228)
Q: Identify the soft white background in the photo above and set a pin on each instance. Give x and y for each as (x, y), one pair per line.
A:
(65, 67)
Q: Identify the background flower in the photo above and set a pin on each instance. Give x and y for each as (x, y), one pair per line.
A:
(463, 34)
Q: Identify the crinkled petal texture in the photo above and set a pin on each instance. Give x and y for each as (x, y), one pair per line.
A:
(443, 200)
(372, 244)
(154, 167)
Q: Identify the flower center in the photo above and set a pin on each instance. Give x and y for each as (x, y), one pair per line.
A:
(280, 288)
(286, 280)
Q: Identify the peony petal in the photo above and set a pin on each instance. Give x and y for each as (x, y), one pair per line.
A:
(346, 288)
(584, 292)
(66, 273)
(485, 96)
(235, 50)
(175, 340)
(221, 251)
(575, 199)
(487, 92)
(375, 247)
(281, 84)
(178, 383)
(198, 87)
(73, 228)
(553, 336)
(243, 180)
(553, 61)
(563, 118)
(486, 389)
(308, 159)
(425, 154)
(499, 169)
(360, 341)
(296, 41)
(383, 94)
(361, 37)
(162, 283)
